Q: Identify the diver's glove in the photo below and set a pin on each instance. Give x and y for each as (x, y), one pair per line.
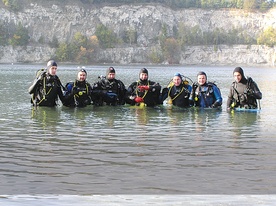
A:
(143, 88)
(138, 99)
(250, 92)
(215, 105)
(191, 102)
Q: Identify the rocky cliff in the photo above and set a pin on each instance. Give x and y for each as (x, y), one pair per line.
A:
(63, 21)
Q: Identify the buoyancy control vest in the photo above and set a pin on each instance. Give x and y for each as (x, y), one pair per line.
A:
(204, 96)
(78, 93)
(243, 97)
(179, 95)
(46, 89)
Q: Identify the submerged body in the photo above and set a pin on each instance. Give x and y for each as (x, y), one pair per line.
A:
(178, 92)
(244, 92)
(47, 87)
(144, 91)
(205, 94)
(109, 90)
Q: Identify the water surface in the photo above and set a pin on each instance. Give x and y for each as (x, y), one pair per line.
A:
(133, 151)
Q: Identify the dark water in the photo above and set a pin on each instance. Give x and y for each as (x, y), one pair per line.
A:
(125, 150)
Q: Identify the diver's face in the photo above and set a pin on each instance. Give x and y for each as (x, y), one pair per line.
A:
(201, 79)
(237, 77)
(176, 80)
(143, 76)
(81, 76)
(53, 70)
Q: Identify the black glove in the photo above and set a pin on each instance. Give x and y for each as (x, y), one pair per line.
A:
(215, 105)
(250, 92)
(191, 102)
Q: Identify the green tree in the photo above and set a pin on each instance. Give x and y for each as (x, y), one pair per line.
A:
(63, 52)
(106, 37)
(195, 35)
(79, 41)
(181, 35)
(204, 4)
(54, 43)
(20, 37)
(41, 40)
(156, 56)
(88, 54)
(163, 36)
(236, 4)
(12, 4)
(268, 37)
(172, 51)
(250, 4)
(130, 36)
(80, 50)
(266, 4)
(3, 35)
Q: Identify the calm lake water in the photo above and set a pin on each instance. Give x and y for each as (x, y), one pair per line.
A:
(133, 151)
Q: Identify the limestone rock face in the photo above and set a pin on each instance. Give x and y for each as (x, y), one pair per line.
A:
(63, 21)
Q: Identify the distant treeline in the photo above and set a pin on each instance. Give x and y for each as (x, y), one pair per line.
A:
(203, 4)
(261, 5)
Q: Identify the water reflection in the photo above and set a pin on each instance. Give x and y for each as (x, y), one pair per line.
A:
(205, 119)
(46, 118)
(108, 150)
(177, 115)
(243, 123)
(140, 115)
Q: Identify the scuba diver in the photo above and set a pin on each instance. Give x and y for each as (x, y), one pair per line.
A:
(205, 94)
(47, 87)
(78, 93)
(178, 92)
(109, 90)
(244, 92)
(144, 91)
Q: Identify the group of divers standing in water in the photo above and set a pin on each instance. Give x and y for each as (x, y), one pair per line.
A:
(47, 88)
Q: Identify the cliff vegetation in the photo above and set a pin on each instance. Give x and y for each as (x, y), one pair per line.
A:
(131, 31)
